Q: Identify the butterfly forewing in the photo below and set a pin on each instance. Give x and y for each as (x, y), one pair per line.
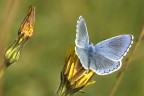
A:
(82, 39)
(114, 48)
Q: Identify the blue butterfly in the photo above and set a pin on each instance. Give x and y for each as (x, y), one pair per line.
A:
(106, 56)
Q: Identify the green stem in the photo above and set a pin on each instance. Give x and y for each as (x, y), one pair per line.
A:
(5, 27)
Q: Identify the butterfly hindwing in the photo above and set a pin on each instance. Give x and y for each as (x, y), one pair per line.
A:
(83, 56)
(103, 66)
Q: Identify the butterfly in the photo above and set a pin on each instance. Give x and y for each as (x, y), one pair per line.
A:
(106, 56)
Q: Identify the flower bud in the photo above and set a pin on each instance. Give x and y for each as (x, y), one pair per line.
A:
(12, 54)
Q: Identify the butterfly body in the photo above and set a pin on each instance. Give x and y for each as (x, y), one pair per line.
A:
(104, 57)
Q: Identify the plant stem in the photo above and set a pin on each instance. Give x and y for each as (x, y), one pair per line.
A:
(127, 63)
(9, 14)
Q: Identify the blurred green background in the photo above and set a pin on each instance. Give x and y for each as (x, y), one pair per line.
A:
(37, 72)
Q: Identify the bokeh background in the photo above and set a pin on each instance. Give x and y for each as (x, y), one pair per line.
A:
(37, 72)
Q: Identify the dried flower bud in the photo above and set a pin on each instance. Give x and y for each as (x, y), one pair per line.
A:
(12, 54)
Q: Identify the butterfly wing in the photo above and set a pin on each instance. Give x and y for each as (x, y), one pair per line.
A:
(114, 48)
(108, 54)
(82, 39)
(83, 56)
(104, 66)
